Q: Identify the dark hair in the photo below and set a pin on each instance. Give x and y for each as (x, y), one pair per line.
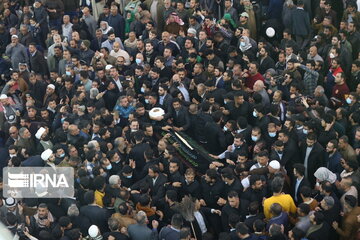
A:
(172, 195)
(242, 228)
(177, 220)
(300, 168)
(89, 197)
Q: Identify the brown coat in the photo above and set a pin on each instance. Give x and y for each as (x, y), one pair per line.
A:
(124, 221)
(350, 225)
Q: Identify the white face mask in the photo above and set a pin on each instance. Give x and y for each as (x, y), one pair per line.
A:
(332, 55)
(12, 155)
(272, 134)
(254, 138)
(225, 128)
(255, 114)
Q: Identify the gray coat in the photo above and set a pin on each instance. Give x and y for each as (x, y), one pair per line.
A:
(17, 54)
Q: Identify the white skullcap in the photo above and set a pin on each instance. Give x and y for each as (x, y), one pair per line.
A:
(192, 31)
(108, 67)
(93, 231)
(3, 96)
(40, 132)
(46, 154)
(274, 165)
(10, 202)
(52, 86)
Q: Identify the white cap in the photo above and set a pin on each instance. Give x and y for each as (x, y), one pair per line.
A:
(270, 32)
(274, 164)
(14, 36)
(93, 231)
(3, 96)
(244, 14)
(108, 67)
(40, 132)
(192, 31)
(51, 86)
(46, 154)
(10, 202)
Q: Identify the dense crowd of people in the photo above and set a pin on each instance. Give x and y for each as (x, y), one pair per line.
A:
(265, 92)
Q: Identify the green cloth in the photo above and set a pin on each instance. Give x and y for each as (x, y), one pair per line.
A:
(128, 21)
(228, 18)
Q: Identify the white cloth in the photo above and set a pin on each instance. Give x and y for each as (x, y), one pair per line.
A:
(201, 222)
(308, 151)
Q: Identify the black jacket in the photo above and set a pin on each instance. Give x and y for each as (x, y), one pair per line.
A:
(215, 138)
(227, 210)
(211, 193)
(315, 160)
(38, 63)
(181, 118)
(96, 215)
(304, 182)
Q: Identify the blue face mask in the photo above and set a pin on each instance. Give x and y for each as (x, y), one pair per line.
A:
(68, 73)
(147, 101)
(305, 131)
(109, 167)
(142, 90)
(129, 176)
(242, 44)
(62, 155)
(225, 102)
(254, 138)
(225, 128)
(138, 61)
(348, 101)
(272, 134)
(255, 114)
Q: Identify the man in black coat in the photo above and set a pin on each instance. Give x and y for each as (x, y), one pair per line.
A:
(155, 180)
(214, 135)
(180, 116)
(94, 213)
(212, 188)
(312, 156)
(291, 151)
(233, 207)
(37, 60)
(300, 24)
(137, 152)
(300, 181)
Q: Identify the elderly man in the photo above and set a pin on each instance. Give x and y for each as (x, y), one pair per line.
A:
(89, 20)
(67, 27)
(25, 141)
(76, 137)
(259, 88)
(140, 231)
(16, 52)
(9, 112)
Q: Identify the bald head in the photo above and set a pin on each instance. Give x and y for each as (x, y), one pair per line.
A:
(258, 86)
